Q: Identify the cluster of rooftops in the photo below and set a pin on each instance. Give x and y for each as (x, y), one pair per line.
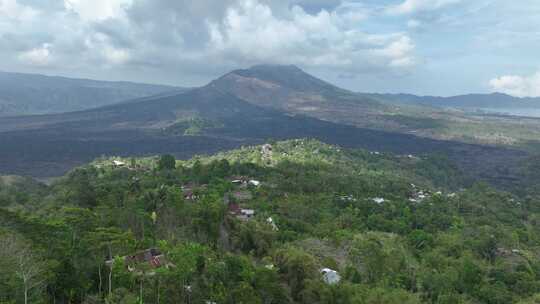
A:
(146, 261)
(416, 195)
(232, 199)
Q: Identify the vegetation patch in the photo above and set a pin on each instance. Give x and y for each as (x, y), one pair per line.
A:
(416, 123)
(192, 126)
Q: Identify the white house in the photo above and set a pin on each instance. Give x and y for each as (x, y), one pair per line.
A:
(379, 200)
(248, 212)
(270, 221)
(330, 276)
(118, 163)
(245, 214)
(255, 183)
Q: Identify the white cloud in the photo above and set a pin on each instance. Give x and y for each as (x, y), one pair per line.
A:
(398, 52)
(38, 56)
(415, 6)
(327, 39)
(203, 37)
(100, 46)
(520, 86)
(91, 10)
(12, 9)
(116, 56)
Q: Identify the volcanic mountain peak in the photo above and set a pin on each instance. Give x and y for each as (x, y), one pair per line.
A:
(289, 77)
(290, 89)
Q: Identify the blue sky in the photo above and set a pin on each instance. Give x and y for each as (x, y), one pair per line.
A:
(429, 47)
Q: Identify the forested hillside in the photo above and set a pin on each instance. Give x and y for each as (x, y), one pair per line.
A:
(297, 221)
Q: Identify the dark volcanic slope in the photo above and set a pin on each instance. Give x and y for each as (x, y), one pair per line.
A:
(290, 89)
(53, 144)
(26, 94)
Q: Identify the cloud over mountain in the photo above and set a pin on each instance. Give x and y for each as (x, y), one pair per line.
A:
(141, 33)
(520, 86)
(364, 45)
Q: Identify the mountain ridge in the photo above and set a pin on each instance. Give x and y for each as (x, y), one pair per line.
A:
(219, 117)
(473, 100)
(31, 94)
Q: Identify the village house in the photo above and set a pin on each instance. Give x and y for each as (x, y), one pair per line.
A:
(266, 153)
(234, 208)
(378, 200)
(152, 258)
(242, 195)
(503, 252)
(246, 214)
(240, 213)
(118, 163)
(330, 276)
(271, 222)
(348, 198)
(238, 180)
(190, 191)
(266, 150)
(244, 181)
(189, 195)
(418, 195)
(254, 182)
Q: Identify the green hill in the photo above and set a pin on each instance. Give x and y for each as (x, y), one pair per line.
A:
(260, 223)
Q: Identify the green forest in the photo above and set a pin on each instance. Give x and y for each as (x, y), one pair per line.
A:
(296, 221)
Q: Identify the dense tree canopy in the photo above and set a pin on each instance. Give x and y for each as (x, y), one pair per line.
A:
(396, 229)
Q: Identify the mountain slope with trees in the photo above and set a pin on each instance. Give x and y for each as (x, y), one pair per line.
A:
(395, 230)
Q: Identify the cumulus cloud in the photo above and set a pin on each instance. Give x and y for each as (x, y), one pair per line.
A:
(520, 86)
(40, 56)
(251, 31)
(398, 52)
(416, 6)
(100, 44)
(91, 10)
(11, 9)
(203, 36)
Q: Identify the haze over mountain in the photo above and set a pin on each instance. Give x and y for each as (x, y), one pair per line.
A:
(26, 94)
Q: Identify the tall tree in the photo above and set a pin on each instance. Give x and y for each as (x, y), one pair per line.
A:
(27, 266)
(166, 162)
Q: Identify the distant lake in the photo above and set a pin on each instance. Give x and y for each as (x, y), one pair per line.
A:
(515, 112)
